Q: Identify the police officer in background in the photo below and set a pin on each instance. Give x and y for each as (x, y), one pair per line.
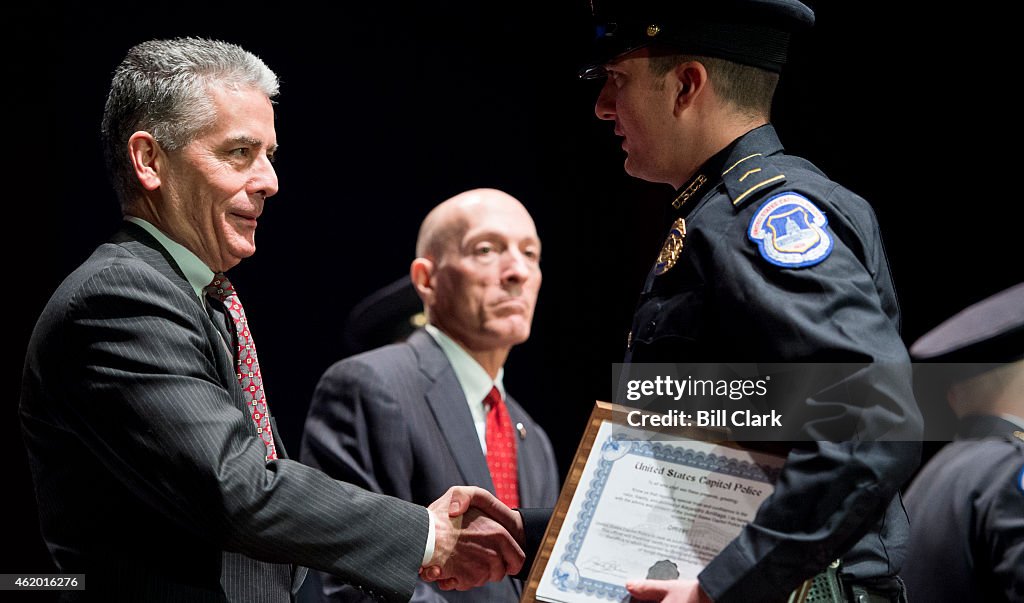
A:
(967, 504)
(766, 260)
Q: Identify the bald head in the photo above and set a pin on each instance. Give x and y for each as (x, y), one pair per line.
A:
(445, 225)
(477, 271)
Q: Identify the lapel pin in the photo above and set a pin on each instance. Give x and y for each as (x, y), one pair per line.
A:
(522, 431)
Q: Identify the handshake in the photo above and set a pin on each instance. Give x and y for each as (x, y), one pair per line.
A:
(477, 539)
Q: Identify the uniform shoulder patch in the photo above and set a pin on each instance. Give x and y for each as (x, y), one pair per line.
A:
(789, 231)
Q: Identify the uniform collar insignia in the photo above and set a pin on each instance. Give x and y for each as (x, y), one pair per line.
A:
(689, 190)
(707, 174)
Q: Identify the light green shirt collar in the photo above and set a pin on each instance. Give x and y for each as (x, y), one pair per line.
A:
(198, 273)
(472, 377)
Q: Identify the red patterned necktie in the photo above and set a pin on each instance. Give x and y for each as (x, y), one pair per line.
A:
(501, 450)
(246, 363)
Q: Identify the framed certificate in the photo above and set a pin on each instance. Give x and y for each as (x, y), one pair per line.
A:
(644, 504)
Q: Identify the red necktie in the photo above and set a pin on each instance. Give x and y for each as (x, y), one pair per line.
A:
(501, 450)
(247, 365)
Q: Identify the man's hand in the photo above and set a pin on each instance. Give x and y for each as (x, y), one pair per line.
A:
(476, 540)
(668, 591)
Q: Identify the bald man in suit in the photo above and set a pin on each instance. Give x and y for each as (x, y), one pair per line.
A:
(414, 418)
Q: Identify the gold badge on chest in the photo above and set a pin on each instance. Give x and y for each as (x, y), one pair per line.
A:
(672, 248)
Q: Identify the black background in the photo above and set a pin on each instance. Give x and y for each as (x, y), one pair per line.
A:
(388, 109)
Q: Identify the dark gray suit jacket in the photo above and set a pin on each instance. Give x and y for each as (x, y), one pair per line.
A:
(149, 475)
(395, 420)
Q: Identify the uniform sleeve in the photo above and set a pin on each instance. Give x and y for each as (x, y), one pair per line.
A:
(832, 490)
(1000, 527)
(144, 395)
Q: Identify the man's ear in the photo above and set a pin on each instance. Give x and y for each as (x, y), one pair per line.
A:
(147, 159)
(422, 273)
(690, 80)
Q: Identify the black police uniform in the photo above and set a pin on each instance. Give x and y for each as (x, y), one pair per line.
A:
(967, 517)
(716, 294)
(967, 504)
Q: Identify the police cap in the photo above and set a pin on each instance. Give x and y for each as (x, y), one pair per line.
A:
(991, 330)
(750, 32)
(387, 315)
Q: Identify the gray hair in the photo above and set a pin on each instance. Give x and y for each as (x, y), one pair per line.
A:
(162, 87)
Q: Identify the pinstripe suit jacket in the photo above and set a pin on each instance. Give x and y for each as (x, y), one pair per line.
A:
(395, 420)
(149, 476)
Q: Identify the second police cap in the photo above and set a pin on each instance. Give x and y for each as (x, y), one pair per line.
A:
(986, 336)
(750, 32)
(991, 330)
(388, 315)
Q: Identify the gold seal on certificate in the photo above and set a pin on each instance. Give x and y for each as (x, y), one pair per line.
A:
(641, 504)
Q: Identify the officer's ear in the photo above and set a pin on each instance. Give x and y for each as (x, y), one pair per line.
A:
(690, 80)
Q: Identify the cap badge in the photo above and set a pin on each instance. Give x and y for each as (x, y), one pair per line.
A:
(673, 246)
(790, 232)
(653, 30)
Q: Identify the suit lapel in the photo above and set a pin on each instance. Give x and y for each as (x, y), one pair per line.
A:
(142, 245)
(238, 570)
(523, 460)
(219, 315)
(278, 441)
(451, 411)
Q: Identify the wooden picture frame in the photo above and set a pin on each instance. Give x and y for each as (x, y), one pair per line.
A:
(616, 414)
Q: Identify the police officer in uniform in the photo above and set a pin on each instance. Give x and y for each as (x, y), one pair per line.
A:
(967, 505)
(765, 260)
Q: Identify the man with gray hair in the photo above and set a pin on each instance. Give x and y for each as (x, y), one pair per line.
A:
(157, 466)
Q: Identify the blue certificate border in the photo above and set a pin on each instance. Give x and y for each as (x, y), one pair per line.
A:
(565, 575)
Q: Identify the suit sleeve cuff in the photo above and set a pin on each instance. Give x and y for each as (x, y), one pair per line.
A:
(428, 553)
